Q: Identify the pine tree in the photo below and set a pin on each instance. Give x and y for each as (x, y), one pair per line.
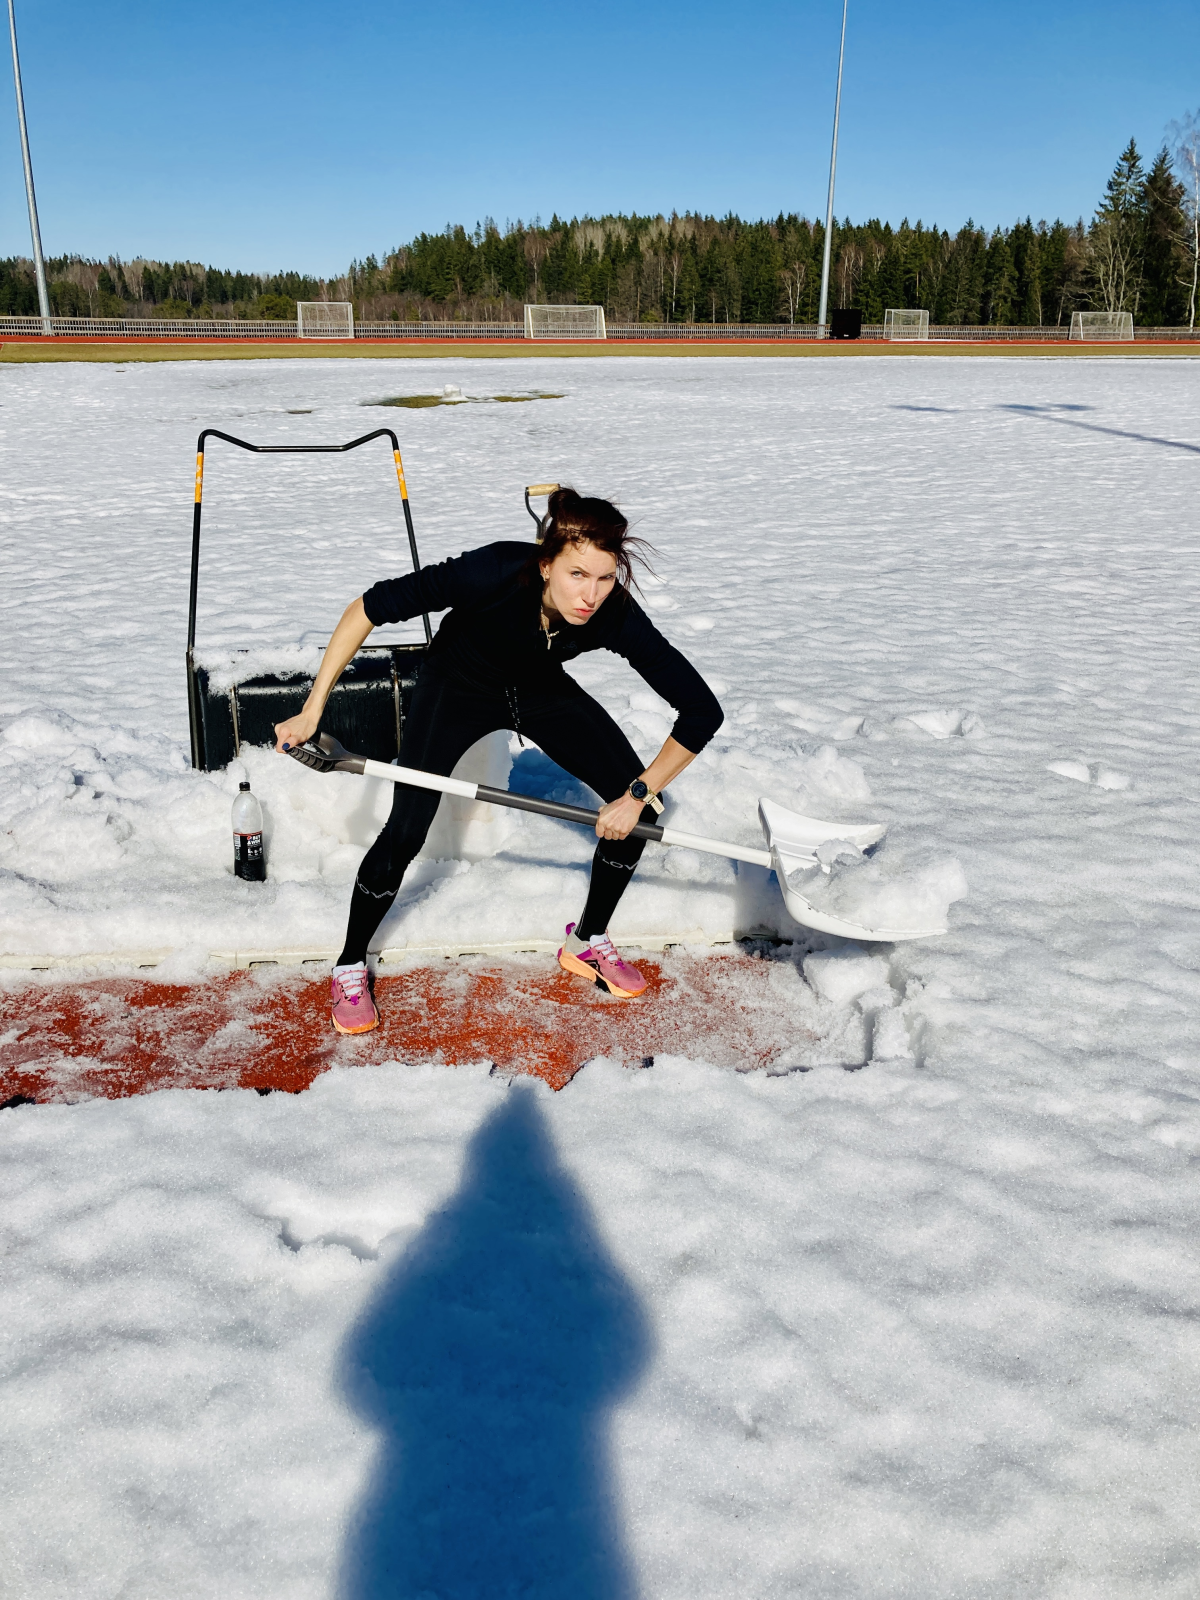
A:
(1026, 243)
(1118, 235)
(1000, 282)
(1124, 191)
(1163, 302)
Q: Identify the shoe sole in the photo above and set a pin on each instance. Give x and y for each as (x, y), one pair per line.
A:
(570, 963)
(367, 1027)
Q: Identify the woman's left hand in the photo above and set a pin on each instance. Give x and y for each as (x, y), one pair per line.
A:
(618, 817)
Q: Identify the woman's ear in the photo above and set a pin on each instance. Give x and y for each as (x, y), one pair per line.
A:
(545, 571)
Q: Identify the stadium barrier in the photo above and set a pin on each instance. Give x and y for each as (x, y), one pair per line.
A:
(196, 328)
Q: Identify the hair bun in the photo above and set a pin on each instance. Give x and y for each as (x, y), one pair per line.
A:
(572, 518)
(561, 499)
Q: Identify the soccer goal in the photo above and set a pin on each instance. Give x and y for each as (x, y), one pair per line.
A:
(564, 322)
(906, 324)
(324, 319)
(1108, 326)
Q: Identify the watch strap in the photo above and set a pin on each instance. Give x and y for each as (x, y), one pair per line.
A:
(649, 798)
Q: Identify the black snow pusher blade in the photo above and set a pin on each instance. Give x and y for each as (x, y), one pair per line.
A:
(371, 699)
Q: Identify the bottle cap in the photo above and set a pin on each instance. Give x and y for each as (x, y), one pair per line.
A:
(244, 787)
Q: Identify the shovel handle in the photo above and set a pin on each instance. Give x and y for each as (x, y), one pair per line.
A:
(414, 778)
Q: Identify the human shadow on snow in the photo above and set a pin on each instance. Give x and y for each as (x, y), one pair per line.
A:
(489, 1360)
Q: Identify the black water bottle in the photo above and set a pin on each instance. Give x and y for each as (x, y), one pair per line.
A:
(249, 860)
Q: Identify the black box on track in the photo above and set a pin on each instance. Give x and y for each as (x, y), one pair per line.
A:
(366, 710)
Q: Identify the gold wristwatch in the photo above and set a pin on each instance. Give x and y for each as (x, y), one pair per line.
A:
(642, 791)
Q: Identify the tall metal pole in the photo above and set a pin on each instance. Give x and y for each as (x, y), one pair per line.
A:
(837, 107)
(39, 266)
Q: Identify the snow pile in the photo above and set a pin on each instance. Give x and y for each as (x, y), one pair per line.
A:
(898, 890)
(945, 724)
(1103, 777)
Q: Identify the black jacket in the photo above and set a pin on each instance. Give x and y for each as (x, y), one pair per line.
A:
(493, 634)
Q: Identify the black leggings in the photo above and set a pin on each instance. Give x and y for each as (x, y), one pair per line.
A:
(445, 720)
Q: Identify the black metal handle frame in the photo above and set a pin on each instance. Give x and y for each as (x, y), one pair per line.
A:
(274, 450)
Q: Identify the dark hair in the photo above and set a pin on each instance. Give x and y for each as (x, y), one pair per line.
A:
(577, 519)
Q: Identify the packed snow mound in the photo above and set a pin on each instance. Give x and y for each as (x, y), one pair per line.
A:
(840, 976)
(944, 724)
(826, 774)
(895, 891)
(113, 843)
(1096, 773)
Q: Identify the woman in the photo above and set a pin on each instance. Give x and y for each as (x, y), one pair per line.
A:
(516, 614)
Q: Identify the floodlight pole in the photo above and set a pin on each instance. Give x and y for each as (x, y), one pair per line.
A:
(39, 266)
(837, 106)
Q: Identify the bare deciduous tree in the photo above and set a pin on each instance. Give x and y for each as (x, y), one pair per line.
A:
(536, 250)
(1184, 136)
(793, 277)
(675, 264)
(1115, 261)
(849, 272)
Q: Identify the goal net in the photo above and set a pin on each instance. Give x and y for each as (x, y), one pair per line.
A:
(325, 319)
(906, 324)
(1116, 326)
(564, 322)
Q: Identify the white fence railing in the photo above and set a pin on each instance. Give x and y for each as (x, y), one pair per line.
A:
(195, 328)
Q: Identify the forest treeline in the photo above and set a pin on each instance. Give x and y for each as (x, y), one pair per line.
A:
(1140, 253)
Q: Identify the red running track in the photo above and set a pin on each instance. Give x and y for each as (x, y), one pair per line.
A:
(269, 1029)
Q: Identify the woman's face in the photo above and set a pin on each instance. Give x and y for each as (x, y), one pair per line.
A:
(578, 581)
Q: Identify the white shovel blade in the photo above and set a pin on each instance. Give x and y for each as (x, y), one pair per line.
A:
(794, 840)
(798, 836)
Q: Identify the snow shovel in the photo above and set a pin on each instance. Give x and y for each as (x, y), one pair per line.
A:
(793, 840)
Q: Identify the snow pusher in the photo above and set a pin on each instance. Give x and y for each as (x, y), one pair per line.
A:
(796, 844)
(370, 701)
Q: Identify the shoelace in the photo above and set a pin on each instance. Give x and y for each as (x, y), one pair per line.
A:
(605, 947)
(353, 984)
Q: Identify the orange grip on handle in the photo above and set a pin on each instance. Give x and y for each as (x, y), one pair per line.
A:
(542, 488)
(199, 475)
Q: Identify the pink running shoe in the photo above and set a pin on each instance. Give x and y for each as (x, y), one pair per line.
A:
(353, 1008)
(599, 962)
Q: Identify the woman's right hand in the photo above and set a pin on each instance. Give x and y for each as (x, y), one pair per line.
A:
(296, 730)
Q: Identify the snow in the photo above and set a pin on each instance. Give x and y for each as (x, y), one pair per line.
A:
(927, 1328)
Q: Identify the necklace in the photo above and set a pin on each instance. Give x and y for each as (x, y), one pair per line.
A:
(546, 627)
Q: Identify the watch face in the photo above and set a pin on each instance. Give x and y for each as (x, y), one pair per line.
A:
(638, 789)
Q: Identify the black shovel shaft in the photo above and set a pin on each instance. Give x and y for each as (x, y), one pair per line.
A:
(551, 808)
(342, 761)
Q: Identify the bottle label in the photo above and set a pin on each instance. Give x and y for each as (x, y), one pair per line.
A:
(248, 859)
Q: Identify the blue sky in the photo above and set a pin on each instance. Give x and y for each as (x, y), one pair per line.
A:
(261, 135)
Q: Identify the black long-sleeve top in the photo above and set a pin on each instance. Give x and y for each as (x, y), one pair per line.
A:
(493, 634)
